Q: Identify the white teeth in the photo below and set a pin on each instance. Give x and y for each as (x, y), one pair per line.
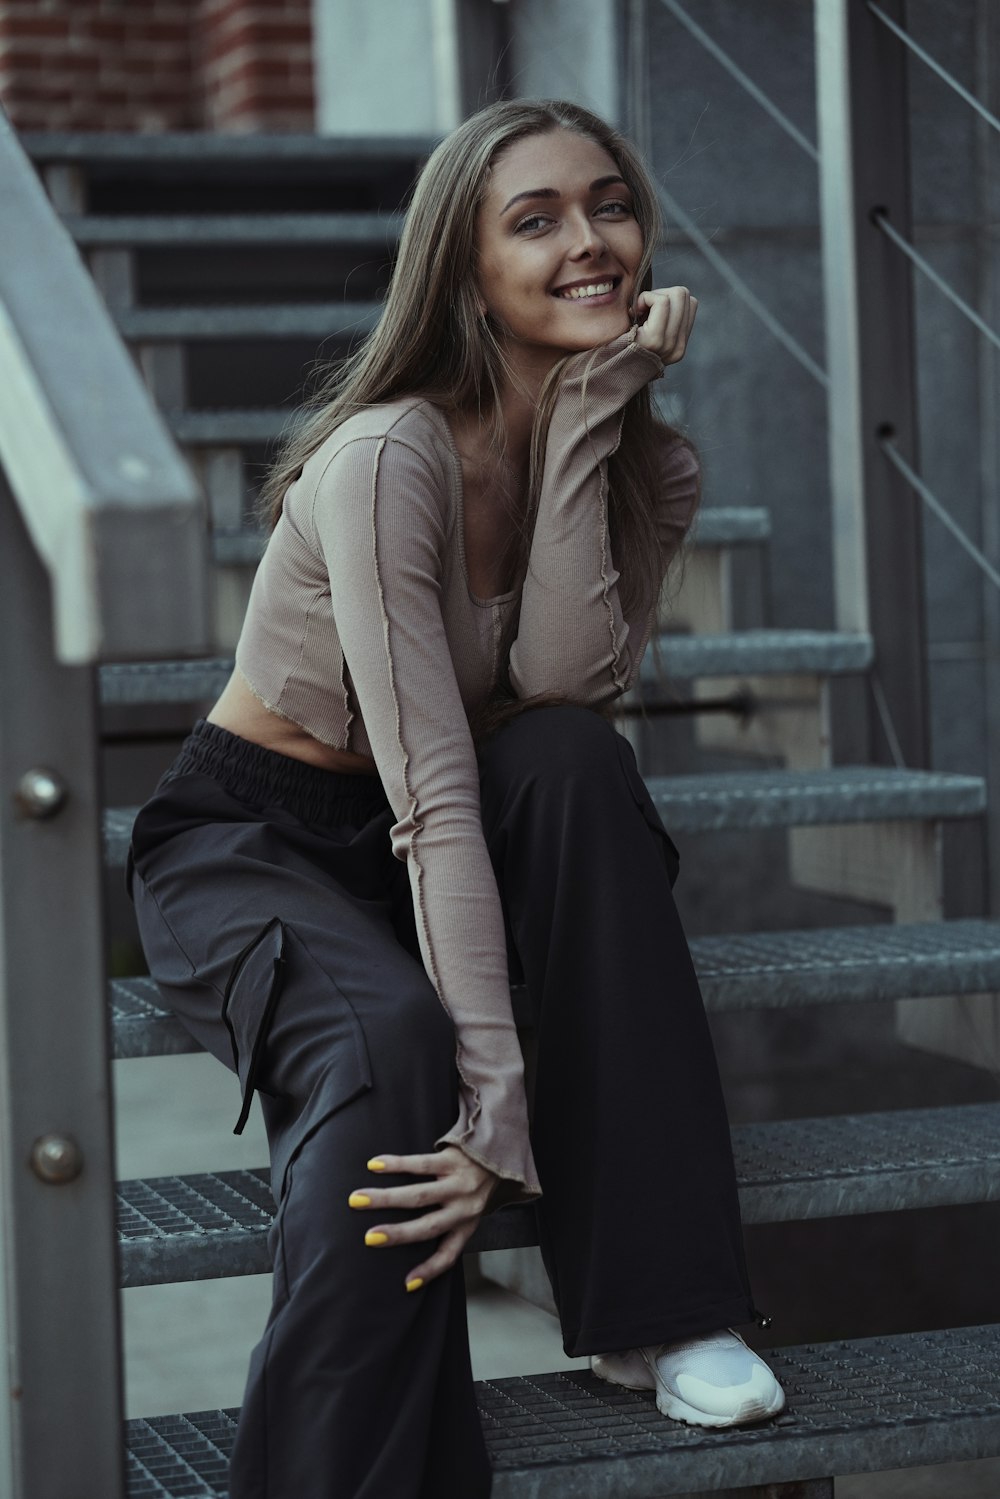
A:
(598, 289)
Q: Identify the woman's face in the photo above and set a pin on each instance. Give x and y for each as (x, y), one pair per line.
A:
(559, 246)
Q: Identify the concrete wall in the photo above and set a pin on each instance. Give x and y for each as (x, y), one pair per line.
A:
(386, 67)
(398, 67)
(567, 49)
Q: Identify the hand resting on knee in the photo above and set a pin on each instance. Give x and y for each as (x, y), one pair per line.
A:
(458, 1194)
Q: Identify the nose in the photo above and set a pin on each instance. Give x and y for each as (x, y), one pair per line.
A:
(588, 242)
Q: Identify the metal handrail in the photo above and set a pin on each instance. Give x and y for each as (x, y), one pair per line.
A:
(953, 83)
(743, 79)
(674, 210)
(109, 502)
(932, 502)
(880, 220)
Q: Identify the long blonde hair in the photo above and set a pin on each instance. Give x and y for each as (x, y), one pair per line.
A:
(431, 340)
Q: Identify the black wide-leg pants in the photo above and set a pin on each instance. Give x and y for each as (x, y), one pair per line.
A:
(280, 929)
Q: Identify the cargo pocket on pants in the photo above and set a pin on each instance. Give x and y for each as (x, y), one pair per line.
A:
(248, 1005)
(644, 802)
(296, 1039)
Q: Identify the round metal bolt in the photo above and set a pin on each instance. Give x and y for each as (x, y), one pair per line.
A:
(56, 1159)
(40, 793)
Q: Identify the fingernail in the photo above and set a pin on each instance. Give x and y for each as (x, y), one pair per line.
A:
(359, 1200)
(374, 1237)
(376, 1165)
(414, 1284)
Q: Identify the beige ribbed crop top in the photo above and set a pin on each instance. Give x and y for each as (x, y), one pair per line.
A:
(362, 629)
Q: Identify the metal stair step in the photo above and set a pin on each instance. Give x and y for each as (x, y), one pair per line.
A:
(758, 653)
(129, 682)
(207, 151)
(731, 525)
(835, 965)
(858, 1406)
(232, 428)
(235, 229)
(757, 799)
(750, 652)
(175, 1228)
(141, 1025)
(756, 971)
(305, 320)
(723, 800)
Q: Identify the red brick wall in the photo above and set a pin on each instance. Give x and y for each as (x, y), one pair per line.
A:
(256, 64)
(151, 65)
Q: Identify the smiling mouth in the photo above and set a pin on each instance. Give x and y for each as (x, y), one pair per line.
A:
(590, 290)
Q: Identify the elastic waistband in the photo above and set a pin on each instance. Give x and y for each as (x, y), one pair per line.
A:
(262, 776)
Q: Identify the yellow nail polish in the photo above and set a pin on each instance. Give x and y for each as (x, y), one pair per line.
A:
(415, 1284)
(359, 1200)
(376, 1165)
(374, 1237)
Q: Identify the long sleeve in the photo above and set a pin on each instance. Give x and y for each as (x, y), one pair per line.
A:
(572, 634)
(379, 522)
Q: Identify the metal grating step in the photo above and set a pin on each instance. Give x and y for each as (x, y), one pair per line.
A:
(215, 153)
(199, 1227)
(235, 229)
(233, 428)
(141, 1026)
(126, 683)
(731, 525)
(761, 652)
(215, 1223)
(800, 798)
(852, 1407)
(756, 971)
(756, 652)
(306, 320)
(833, 965)
(758, 799)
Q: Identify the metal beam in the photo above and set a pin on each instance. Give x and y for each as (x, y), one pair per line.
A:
(107, 497)
(60, 1427)
(863, 115)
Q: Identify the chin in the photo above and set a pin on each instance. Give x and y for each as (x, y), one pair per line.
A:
(602, 330)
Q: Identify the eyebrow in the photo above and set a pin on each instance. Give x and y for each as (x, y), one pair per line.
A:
(551, 192)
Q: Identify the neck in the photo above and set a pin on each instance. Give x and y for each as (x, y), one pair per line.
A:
(519, 397)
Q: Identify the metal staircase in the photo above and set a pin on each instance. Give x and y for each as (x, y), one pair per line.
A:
(224, 262)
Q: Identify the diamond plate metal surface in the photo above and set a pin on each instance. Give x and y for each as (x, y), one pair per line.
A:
(853, 1407)
(197, 1227)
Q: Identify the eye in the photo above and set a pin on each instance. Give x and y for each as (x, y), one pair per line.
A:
(531, 224)
(615, 208)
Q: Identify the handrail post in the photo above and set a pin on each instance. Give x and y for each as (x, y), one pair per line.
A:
(61, 1421)
(863, 119)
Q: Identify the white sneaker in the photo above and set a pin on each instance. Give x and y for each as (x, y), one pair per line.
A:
(710, 1380)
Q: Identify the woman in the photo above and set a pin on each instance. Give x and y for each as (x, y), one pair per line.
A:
(409, 794)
